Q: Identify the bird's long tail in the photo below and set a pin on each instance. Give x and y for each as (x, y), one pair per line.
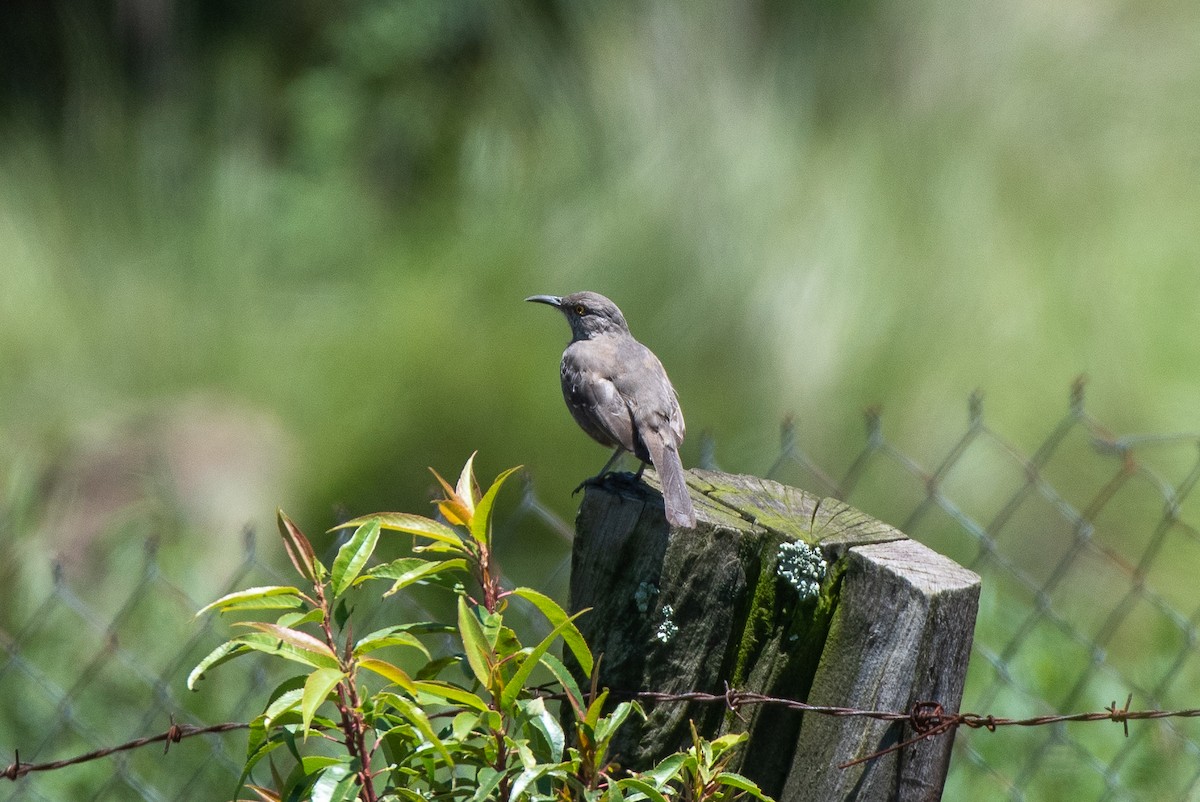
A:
(674, 486)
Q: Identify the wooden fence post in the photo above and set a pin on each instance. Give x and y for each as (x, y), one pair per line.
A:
(777, 592)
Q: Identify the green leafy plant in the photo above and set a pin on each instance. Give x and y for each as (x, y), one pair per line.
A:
(356, 725)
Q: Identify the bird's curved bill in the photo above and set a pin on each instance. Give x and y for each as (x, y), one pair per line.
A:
(552, 300)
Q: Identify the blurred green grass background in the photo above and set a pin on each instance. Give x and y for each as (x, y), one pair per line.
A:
(331, 216)
(274, 253)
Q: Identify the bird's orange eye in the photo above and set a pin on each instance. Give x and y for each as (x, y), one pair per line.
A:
(580, 309)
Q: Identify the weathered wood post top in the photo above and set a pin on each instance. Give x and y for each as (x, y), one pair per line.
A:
(779, 592)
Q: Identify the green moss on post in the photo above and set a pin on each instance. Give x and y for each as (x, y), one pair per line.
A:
(759, 620)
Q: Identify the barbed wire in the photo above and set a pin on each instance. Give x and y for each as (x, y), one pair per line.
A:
(173, 735)
(928, 719)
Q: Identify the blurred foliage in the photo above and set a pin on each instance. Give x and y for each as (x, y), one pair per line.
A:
(326, 212)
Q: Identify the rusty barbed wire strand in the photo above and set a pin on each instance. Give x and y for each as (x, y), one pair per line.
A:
(173, 735)
(928, 720)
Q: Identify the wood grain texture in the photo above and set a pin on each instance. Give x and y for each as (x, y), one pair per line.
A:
(901, 634)
(664, 605)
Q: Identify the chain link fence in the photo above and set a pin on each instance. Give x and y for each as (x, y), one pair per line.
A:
(1085, 543)
(1088, 554)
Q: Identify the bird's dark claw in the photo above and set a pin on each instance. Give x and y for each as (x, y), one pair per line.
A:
(622, 477)
(588, 482)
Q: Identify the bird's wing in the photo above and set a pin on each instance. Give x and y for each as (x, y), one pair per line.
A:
(652, 400)
(596, 405)
(654, 407)
(675, 419)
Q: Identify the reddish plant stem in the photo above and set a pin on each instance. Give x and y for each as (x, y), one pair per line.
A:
(487, 581)
(353, 725)
(501, 763)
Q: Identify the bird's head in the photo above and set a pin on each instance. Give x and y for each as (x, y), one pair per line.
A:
(588, 313)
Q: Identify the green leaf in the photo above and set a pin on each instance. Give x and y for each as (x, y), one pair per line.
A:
(728, 741)
(488, 779)
(257, 734)
(273, 597)
(613, 794)
(296, 620)
(439, 548)
(299, 550)
(389, 636)
(530, 775)
(393, 569)
(393, 674)
(395, 743)
(341, 613)
(222, 654)
(481, 522)
(463, 725)
(410, 524)
(429, 569)
(416, 716)
(261, 750)
(271, 644)
(337, 783)
(492, 624)
(467, 489)
(284, 703)
(316, 690)
(593, 711)
(474, 643)
(607, 727)
(504, 640)
(453, 694)
(517, 683)
(311, 764)
(642, 787)
(735, 780)
(560, 672)
(669, 768)
(434, 667)
(353, 556)
(298, 638)
(546, 724)
(556, 615)
(293, 683)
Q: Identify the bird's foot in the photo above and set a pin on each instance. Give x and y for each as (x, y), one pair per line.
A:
(600, 479)
(591, 481)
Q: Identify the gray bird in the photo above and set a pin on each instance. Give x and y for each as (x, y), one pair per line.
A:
(620, 395)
